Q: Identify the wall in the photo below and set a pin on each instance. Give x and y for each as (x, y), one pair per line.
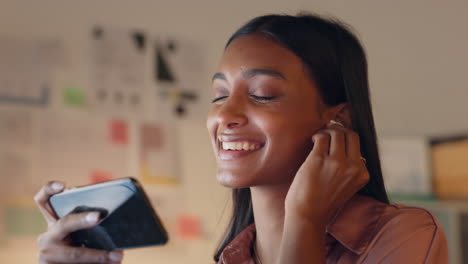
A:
(418, 68)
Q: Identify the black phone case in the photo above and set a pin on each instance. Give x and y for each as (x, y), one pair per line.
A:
(128, 219)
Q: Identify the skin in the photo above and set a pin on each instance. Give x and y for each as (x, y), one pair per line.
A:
(54, 246)
(280, 124)
(302, 158)
(265, 96)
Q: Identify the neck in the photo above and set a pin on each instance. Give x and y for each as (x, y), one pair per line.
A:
(268, 208)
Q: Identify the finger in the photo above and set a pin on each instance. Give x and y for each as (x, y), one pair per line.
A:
(42, 200)
(66, 254)
(321, 144)
(337, 141)
(71, 223)
(353, 145)
(116, 258)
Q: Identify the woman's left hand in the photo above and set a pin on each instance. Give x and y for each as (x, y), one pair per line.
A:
(333, 173)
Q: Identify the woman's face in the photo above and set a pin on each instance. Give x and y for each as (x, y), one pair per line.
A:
(265, 110)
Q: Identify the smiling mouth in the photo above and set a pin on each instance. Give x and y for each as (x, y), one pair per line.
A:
(233, 150)
(240, 146)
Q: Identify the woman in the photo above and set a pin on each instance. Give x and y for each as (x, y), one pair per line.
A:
(293, 133)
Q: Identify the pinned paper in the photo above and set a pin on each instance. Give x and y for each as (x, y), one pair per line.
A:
(90, 138)
(151, 137)
(118, 67)
(178, 67)
(26, 68)
(74, 96)
(188, 227)
(17, 141)
(24, 221)
(119, 132)
(98, 176)
(16, 128)
(158, 155)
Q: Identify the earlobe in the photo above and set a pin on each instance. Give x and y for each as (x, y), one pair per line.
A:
(339, 113)
(343, 115)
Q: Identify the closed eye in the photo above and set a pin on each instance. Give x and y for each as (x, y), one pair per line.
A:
(218, 99)
(262, 98)
(255, 97)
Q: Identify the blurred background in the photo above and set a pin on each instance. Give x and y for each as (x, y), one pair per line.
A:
(97, 90)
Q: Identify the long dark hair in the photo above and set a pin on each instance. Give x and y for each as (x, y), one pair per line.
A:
(336, 61)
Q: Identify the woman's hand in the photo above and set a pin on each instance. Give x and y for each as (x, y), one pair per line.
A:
(333, 172)
(55, 246)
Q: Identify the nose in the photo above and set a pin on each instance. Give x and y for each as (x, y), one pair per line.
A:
(232, 112)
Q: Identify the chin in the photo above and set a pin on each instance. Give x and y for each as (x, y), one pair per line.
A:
(230, 179)
(234, 180)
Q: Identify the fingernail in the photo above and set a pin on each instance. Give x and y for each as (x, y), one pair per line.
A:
(57, 186)
(115, 256)
(92, 217)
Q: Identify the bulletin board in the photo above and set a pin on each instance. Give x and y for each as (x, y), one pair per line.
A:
(114, 112)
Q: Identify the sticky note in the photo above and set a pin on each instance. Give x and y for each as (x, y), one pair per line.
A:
(151, 137)
(188, 227)
(97, 176)
(74, 96)
(118, 132)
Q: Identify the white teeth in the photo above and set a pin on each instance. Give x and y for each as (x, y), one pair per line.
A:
(239, 146)
(229, 145)
(245, 146)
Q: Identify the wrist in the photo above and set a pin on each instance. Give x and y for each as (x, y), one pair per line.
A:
(303, 240)
(306, 223)
(305, 219)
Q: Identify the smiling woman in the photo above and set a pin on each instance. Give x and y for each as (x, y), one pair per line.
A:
(293, 133)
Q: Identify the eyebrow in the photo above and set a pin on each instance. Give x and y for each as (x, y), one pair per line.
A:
(252, 73)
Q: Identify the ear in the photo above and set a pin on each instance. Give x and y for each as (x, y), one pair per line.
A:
(342, 114)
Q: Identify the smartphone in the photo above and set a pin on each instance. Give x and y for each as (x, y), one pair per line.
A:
(128, 219)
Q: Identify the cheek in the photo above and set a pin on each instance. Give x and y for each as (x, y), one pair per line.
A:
(290, 142)
(290, 130)
(209, 119)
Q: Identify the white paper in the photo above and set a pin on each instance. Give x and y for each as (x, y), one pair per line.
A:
(406, 165)
(16, 174)
(117, 73)
(71, 147)
(16, 129)
(26, 67)
(158, 153)
(184, 61)
(17, 143)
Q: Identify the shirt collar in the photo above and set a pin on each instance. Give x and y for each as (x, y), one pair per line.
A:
(239, 250)
(355, 223)
(353, 227)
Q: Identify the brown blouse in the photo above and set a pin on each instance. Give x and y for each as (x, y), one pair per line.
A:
(367, 231)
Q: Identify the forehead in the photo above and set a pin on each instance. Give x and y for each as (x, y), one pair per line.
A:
(256, 51)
